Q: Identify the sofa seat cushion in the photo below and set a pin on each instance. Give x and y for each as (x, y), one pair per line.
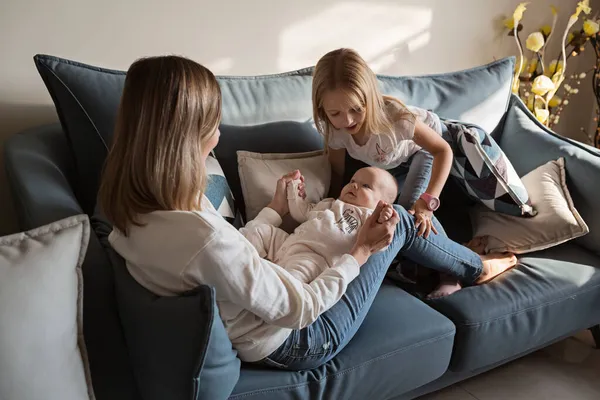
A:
(549, 295)
(402, 344)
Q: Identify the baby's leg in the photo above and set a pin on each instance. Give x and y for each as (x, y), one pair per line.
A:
(266, 239)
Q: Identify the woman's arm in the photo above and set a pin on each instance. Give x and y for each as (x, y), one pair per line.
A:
(337, 159)
(431, 141)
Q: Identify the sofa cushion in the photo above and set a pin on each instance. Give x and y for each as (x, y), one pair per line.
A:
(259, 173)
(178, 346)
(273, 137)
(549, 295)
(402, 344)
(87, 97)
(43, 354)
(557, 221)
(522, 132)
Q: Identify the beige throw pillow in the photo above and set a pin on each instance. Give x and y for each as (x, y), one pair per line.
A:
(42, 352)
(557, 220)
(259, 174)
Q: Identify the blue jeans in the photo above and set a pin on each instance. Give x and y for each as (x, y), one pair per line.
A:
(318, 343)
(413, 178)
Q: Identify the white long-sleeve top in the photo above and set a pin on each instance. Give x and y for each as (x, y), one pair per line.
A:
(259, 301)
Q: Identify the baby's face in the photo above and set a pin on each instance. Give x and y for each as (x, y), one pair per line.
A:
(366, 188)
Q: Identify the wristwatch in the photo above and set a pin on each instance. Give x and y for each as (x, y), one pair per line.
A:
(433, 203)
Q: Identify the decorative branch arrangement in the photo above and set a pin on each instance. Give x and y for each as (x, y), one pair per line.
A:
(543, 85)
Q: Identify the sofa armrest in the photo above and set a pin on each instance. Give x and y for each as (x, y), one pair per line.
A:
(528, 144)
(40, 169)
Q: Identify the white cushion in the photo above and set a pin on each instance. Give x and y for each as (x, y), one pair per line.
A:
(557, 220)
(42, 352)
(259, 174)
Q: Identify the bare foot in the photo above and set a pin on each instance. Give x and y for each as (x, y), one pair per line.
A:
(477, 244)
(448, 285)
(495, 264)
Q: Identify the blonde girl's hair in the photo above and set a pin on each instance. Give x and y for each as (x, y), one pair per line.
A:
(346, 70)
(170, 108)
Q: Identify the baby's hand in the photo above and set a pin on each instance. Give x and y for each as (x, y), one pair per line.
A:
(299, 186)
(386, 214)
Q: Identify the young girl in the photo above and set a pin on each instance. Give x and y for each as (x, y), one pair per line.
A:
(173, 239)
(361, 126)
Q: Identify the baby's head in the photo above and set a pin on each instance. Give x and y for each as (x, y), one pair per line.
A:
(368, 186)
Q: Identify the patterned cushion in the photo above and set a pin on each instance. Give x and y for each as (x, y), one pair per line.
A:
(219, 193)
(484, 172)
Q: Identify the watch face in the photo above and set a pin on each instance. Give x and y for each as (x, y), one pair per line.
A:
(434, 203)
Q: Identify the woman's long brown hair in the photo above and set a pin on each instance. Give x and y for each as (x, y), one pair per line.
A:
(169, 109)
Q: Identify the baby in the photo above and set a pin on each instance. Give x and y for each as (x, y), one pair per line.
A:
(328, 229)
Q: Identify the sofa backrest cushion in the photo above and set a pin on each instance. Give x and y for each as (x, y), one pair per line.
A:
(87, 99)
(528, 144)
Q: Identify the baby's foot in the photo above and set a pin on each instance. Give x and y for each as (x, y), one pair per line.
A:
(495, 264)
(447, 286)
(477, 244)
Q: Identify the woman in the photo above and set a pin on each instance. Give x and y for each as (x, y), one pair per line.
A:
(173, 239)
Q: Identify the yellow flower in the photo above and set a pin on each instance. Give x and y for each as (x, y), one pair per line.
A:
(532, 66)
(542, 115)
(590, 27)
(542, 85)
(552, 68)
(509, 23)
(583, 6)
(554, 102)
(518, 14)
(535, 41)
(546, 30)
(554, 10)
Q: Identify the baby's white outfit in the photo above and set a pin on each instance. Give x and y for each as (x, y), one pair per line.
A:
(327, 232)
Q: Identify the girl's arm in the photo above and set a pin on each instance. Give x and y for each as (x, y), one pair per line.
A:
(337, 159)
(431, 141)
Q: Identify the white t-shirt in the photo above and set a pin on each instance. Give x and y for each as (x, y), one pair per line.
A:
(259, 301)
(384, 150)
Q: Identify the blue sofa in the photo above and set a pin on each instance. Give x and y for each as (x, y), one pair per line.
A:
(406, 347)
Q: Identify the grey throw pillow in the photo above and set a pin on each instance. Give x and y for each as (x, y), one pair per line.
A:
(177, 345)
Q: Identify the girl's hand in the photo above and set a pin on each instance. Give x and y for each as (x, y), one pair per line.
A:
(280, 201)
(374, 236)
(423, 218)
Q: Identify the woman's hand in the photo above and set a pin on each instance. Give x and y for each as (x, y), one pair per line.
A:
(280, 201)
(423, 218)
(374, 235)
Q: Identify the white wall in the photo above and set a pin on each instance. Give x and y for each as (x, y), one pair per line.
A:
(245, 37)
